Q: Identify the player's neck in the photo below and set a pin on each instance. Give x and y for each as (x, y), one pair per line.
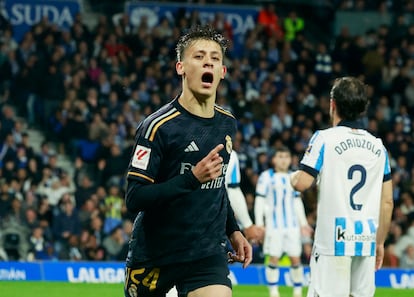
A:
(335, 120)
(278, 170)
(201, 108)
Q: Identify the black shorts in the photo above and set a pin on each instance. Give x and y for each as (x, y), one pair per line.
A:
(148, 281)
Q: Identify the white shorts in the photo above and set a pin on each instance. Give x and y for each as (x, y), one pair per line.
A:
(284, 240)
(334, 276)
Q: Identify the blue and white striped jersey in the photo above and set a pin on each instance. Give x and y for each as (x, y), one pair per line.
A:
(279, 210)
(233, 171)
(351, 166)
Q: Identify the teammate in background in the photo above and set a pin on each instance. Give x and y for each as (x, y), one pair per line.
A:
(280, 208)
(355, 197)
(252, 232)
(176, 184)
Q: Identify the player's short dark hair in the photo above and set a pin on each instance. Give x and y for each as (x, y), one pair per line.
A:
(349, 94)
(196, 33)
(282, 149)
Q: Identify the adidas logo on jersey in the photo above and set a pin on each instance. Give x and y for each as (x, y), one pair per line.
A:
(192, 147)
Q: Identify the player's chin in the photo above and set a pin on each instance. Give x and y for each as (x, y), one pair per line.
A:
(204, 94)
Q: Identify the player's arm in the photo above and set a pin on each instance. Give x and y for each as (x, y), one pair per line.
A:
(152, 194)
(310, 165)
(140, 196)
(386, 209)
(260, 200)
(302, 180)
(238, 203)
(231, 223)
(306, 229)
(300, 211)
(259, 210)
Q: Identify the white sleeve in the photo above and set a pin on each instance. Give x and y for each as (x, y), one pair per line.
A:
(300, 211)
(259, 210)
(238, 203)
(233, 170)
(314, 154)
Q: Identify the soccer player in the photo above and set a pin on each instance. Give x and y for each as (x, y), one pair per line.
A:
(176, 184)
(238, 202)
(280, 208)
(354, 197)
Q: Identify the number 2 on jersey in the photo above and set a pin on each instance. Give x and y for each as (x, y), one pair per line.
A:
(358, 185)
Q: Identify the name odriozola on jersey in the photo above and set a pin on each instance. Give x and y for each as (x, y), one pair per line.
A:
(352, 165)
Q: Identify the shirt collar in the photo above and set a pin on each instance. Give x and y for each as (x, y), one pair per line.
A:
(351, 124)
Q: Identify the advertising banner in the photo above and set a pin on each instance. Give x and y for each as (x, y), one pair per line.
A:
(23, 14)
(241, 18)
(113, 272)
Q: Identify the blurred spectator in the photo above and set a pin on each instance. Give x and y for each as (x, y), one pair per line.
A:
(14, 233)
(94, 251)
(114, 243)
(270, 21)
(403, 242)
(65, 224)
(407, 202)
(75, 253)
(84, 189)
(40, 248)
(407, 258)
(113, 208)
(293, 24)
(96, 228)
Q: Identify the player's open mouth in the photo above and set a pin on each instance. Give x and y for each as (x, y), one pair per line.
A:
(207, 78)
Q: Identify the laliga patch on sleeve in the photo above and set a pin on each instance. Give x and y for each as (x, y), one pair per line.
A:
(141, 157)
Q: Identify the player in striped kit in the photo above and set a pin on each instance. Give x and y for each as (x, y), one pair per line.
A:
(354, 201)
(280, 208)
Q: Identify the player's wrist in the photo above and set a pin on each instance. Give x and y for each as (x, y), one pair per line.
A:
(192, 179)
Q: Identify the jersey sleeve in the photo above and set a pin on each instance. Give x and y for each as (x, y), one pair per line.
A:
(262, 185)
(233, 171)
(387, 167)
(313, 158)
(145, 158)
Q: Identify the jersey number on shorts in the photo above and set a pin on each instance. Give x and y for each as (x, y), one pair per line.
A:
(358, 185)
(150, 280)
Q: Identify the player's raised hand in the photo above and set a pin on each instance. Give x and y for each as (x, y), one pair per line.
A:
(210, 167)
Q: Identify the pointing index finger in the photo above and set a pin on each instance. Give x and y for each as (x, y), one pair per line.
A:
(215, 150)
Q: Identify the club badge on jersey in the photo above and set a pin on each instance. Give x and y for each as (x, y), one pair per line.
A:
(229, 144)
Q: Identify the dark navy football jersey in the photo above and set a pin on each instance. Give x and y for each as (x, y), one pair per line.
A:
(169, 143)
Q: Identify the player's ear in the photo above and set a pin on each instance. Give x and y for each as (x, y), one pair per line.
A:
(332, 103)
(223, 72)
(179, 67)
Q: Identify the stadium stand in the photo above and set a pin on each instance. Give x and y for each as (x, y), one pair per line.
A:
(77, 95)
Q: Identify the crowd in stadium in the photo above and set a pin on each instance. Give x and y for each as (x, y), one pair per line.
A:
(87, 89)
